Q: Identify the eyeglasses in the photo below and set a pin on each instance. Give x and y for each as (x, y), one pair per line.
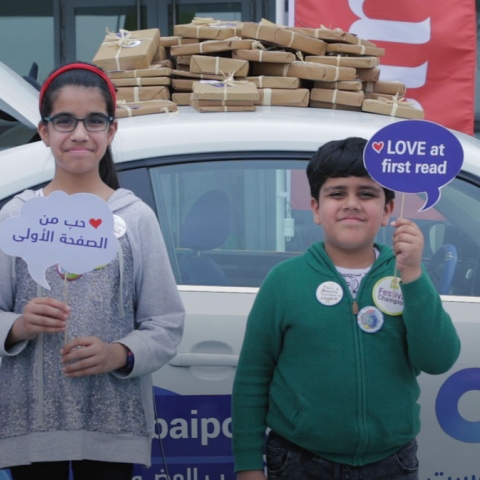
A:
(68, 123)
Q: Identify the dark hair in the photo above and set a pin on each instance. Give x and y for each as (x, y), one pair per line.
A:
(339, 159)
(83, 77)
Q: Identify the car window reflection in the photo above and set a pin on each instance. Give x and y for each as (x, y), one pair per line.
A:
(230, 222)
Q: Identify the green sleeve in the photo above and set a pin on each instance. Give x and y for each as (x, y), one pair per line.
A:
(260, 350)
(433, 342)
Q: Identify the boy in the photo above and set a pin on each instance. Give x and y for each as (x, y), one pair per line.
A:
(329, 361)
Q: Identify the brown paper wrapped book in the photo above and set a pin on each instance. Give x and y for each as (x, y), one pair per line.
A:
(269, 56)
(133, 109)
(355, 49)
(283, 97)
(168, 42)
(212, 46)
(222, 108)
(383, 86)
(198, 76)
(344, 61)
(263, 81)
(183, 68)
(127, 50)
(138, 94)
(281, 36)
(333, 106)
(208, 28)
(354, 99)
(219, 66)
(368, 74)
(304, 70)
(163, 64)
(222, 103)
(351, 86)
(182, 98)
(183, 84)
(160, 55)
(151, 71)
(226, 90)
(396, 108)
(376, 96)
(332, 35)
(183, 60)
(141, 81)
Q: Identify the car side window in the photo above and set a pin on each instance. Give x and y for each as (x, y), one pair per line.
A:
(451, 232)
(229, 222)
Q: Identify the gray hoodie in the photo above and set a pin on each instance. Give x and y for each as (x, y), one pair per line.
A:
(45, 416)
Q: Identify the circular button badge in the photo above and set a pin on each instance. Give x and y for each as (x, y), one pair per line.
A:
(119, 226)
(388, 297)
(370, 319)
(329, 293)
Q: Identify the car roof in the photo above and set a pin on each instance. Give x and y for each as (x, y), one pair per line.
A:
(269, 128)
(187, 132)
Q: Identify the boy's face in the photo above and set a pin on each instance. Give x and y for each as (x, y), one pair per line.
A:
(351, 210)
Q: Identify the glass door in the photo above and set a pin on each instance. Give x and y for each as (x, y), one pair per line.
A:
(80, 25)
(86, 21)
(174, 12)
(185, 11)
(27, 36)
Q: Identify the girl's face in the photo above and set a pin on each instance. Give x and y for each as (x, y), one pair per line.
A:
(78, 152)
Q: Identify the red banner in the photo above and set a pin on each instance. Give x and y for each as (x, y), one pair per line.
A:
(430, 46)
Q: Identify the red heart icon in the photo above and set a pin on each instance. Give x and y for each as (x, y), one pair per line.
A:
(95, 222)
(378, 146)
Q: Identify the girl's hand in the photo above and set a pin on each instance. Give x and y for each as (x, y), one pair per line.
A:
(90, 356)
(40, 315)
(408, 248)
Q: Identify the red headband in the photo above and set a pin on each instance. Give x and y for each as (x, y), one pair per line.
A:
(80, 66)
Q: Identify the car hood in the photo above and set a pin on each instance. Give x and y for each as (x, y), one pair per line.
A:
(18, 98)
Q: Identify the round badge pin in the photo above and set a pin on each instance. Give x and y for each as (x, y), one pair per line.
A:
(119, 226)
(329, 293)
(388, 297)
(70, 276)
(370, 319)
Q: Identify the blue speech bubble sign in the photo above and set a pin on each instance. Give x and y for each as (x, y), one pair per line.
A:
(74, 231)
(414, 156)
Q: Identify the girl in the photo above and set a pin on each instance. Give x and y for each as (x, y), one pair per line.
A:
(86, 404)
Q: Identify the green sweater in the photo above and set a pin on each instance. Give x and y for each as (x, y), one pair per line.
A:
(308, 372)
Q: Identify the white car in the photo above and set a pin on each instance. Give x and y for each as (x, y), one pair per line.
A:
(232, 200)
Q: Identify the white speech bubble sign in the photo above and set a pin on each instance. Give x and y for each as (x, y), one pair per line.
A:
(74, 231)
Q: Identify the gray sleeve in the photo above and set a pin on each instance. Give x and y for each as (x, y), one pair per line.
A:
(159, 309)
(7, 288)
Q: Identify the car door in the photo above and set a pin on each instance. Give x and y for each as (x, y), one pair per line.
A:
(450, 413)
(227, 220)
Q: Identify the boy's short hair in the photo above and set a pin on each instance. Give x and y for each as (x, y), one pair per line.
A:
(339, 159)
